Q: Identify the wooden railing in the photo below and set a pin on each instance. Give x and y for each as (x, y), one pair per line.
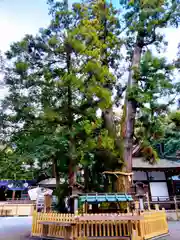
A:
(164, 199)
(14, 209)
(159, 199)
(19, 201)
(151, 224)
(167, 202)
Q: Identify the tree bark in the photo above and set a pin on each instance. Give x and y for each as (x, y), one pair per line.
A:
(107, 114)
(131, 106)
(108, 119)
(106, 184)
(86, 178)
(72, 167)
(56, 171)
(130, 109)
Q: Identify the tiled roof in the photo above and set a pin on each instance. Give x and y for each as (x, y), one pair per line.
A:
(52, 182)
(162, 163)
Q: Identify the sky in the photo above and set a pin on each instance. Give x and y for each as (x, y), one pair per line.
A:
(17, 18)
(20, 17)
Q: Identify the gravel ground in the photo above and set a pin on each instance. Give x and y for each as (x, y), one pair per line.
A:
(19, 228)
(15, 228)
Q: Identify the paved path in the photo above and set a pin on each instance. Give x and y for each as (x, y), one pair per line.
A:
(174, 230)
(15, 228)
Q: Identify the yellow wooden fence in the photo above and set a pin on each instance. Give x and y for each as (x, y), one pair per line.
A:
(152, 224)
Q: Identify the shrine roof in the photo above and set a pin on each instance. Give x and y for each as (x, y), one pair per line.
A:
(105, 197)
(139, 163)
(51, 182)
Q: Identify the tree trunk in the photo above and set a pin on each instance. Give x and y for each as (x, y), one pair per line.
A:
(131, 106)
(86, 178)
(70, 118)
(71, 173)
(108, 118)
(56, 172)
(130, 110)
(72, 164)
(107, 114)
(106, 184)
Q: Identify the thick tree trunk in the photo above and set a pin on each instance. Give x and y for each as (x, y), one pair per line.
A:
(131, 106)
(106, 184)
(71, 167)
(130, 115)
(86, 178)
(72, 175)
(72, 164)
(130, 110)
(107, 114)
(56, 171)
(109, 124)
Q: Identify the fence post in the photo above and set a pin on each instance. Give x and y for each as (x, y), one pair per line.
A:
(148, 203)
(17, 208)
(157, 207)
(141, 229)
(34, 223)
(176, 207)
(47, 203)
(165, 218)
(128, 210)
(136, 206)
(135, 235)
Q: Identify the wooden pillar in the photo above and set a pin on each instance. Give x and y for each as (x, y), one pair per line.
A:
(148, 184)
(148, 203)
(75, 204)
(136, 206)
(170, 186)
(173, 187)
(47, 203)
(13, 195)
(85, 207)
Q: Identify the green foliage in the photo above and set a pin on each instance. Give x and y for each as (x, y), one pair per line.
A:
(175, 118)
(56, 84)
(155, 83)
(21, 67)
(170, 139)
(12, 166)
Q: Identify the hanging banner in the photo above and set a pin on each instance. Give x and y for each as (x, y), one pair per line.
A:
(17, 185)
